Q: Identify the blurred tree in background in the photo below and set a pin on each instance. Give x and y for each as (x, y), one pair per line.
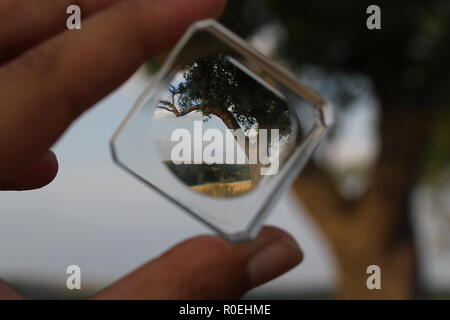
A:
(407, 61)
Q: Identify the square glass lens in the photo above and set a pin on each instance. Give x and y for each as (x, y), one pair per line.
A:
(221, 131)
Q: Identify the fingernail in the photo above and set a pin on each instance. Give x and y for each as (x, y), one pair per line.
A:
(278, 257)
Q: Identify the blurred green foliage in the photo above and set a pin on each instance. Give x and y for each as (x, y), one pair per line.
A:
(408, 60)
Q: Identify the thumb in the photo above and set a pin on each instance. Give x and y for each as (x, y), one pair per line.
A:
(208, 267)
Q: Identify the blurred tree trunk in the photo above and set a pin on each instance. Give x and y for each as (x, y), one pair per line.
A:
(376, 228)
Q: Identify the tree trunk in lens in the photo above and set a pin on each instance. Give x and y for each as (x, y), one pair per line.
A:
(376, 228)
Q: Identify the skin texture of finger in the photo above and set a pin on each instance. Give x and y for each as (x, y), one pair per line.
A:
(7, 293)
(51, 85)
(207, 267)
(25, 23)
(38, 175)
(7, 4)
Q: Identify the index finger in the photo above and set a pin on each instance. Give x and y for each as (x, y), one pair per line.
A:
(48, 87)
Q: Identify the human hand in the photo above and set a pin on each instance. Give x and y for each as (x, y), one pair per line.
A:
(49, 76)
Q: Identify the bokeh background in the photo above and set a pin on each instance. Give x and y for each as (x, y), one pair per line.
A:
(377, 192)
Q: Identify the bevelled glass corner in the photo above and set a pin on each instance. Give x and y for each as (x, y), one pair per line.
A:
(221, 131)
